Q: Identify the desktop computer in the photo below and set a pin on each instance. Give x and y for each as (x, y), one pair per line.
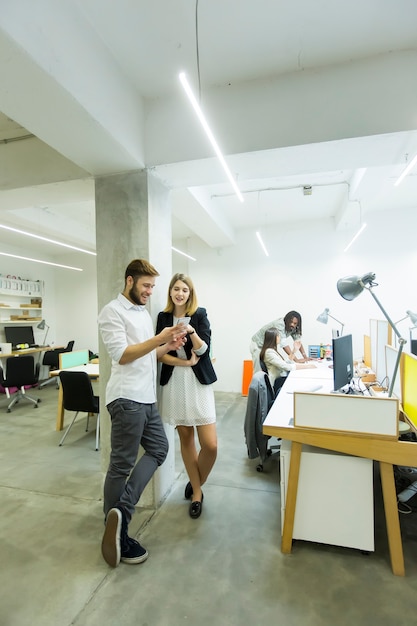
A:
(20, 337)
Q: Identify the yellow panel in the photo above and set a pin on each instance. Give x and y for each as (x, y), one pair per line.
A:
(367, 350)
(410, 386)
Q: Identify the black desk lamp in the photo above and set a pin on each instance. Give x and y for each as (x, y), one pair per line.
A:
(41, 326)
(349, 288)
(324, 318)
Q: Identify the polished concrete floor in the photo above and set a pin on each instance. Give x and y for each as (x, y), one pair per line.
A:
(224, 569)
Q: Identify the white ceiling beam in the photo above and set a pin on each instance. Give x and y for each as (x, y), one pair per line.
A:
(201, 216)
(93, 117)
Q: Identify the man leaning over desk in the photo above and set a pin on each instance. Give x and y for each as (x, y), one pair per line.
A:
(290, 330)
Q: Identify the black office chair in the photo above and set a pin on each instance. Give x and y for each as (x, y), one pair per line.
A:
(20, 372)
(51, 360)
(78, 396)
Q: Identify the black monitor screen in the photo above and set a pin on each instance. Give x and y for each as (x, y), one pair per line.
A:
(342, 361)
(19, 334)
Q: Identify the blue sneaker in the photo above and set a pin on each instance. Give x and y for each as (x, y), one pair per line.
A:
(132, 552)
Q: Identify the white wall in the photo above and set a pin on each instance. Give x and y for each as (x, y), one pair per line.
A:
(76, 304)
(243, 290)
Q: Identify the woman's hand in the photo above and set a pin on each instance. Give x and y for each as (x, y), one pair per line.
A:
(193, 360)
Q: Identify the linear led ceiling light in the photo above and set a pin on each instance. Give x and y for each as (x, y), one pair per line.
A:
(209, 134)
(183, 253)
(26, 258)
(362, 228)
(406, 171)
(57, 243)
(258, 234)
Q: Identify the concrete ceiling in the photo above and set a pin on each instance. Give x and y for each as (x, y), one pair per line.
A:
(226, 47)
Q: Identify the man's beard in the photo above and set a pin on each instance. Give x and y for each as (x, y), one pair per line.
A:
(134, 296)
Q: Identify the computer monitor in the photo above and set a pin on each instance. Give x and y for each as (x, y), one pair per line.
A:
(342, 361)
(19, 334)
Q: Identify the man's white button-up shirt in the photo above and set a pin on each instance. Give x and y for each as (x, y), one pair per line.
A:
(121, 324)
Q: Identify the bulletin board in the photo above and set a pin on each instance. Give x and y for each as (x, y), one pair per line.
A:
(367, 351)
(409, 386)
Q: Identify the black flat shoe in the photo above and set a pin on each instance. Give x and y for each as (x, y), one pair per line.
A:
(196, 508)
(188, 491)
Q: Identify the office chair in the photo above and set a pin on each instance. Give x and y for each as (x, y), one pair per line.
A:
(278, 381)
(51, 360)
(78, 396)
(260, 399)
(20, 372)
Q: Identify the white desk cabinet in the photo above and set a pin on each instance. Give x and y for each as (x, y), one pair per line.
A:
(334, 498)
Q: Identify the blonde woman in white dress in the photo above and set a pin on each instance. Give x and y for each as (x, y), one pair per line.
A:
(187, 398)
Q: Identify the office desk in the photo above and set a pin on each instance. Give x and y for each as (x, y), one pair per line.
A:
(279, 423)
(92, 369)
(25, 351)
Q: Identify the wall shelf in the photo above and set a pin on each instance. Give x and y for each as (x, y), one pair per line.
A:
(22, 298)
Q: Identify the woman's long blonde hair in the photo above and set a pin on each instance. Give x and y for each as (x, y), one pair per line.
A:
(192, 303)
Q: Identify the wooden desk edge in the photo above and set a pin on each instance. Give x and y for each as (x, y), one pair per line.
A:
(366, 446)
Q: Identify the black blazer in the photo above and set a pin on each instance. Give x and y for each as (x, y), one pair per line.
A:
(204, 369)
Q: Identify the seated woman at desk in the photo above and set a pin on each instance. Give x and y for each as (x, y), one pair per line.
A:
(278, 364)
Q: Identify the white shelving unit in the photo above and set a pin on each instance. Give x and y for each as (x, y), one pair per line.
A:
(18, 301)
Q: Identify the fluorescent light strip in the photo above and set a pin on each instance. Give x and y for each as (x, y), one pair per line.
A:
(405, 172)
(362, 228)
(57, 243)
(25, 258)
(183, 253)
(209, 134)
(262, 243)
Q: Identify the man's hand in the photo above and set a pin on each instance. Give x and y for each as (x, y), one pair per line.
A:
(176, 343)
(297, 346)
(173, 334)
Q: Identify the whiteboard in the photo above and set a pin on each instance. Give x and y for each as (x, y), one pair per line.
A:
(381, 335)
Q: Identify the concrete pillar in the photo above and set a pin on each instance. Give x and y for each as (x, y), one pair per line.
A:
(133, 220)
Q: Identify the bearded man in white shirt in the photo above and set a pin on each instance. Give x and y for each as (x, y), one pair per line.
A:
(127, 332)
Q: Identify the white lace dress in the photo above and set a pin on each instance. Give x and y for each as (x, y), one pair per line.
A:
(184, 400)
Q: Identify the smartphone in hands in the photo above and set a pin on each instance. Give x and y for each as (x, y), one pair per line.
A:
(184, 320)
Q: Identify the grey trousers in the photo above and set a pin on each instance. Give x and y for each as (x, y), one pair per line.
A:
(132, 424)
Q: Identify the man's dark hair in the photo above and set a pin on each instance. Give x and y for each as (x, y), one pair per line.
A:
(140, 267)
(287, 319)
